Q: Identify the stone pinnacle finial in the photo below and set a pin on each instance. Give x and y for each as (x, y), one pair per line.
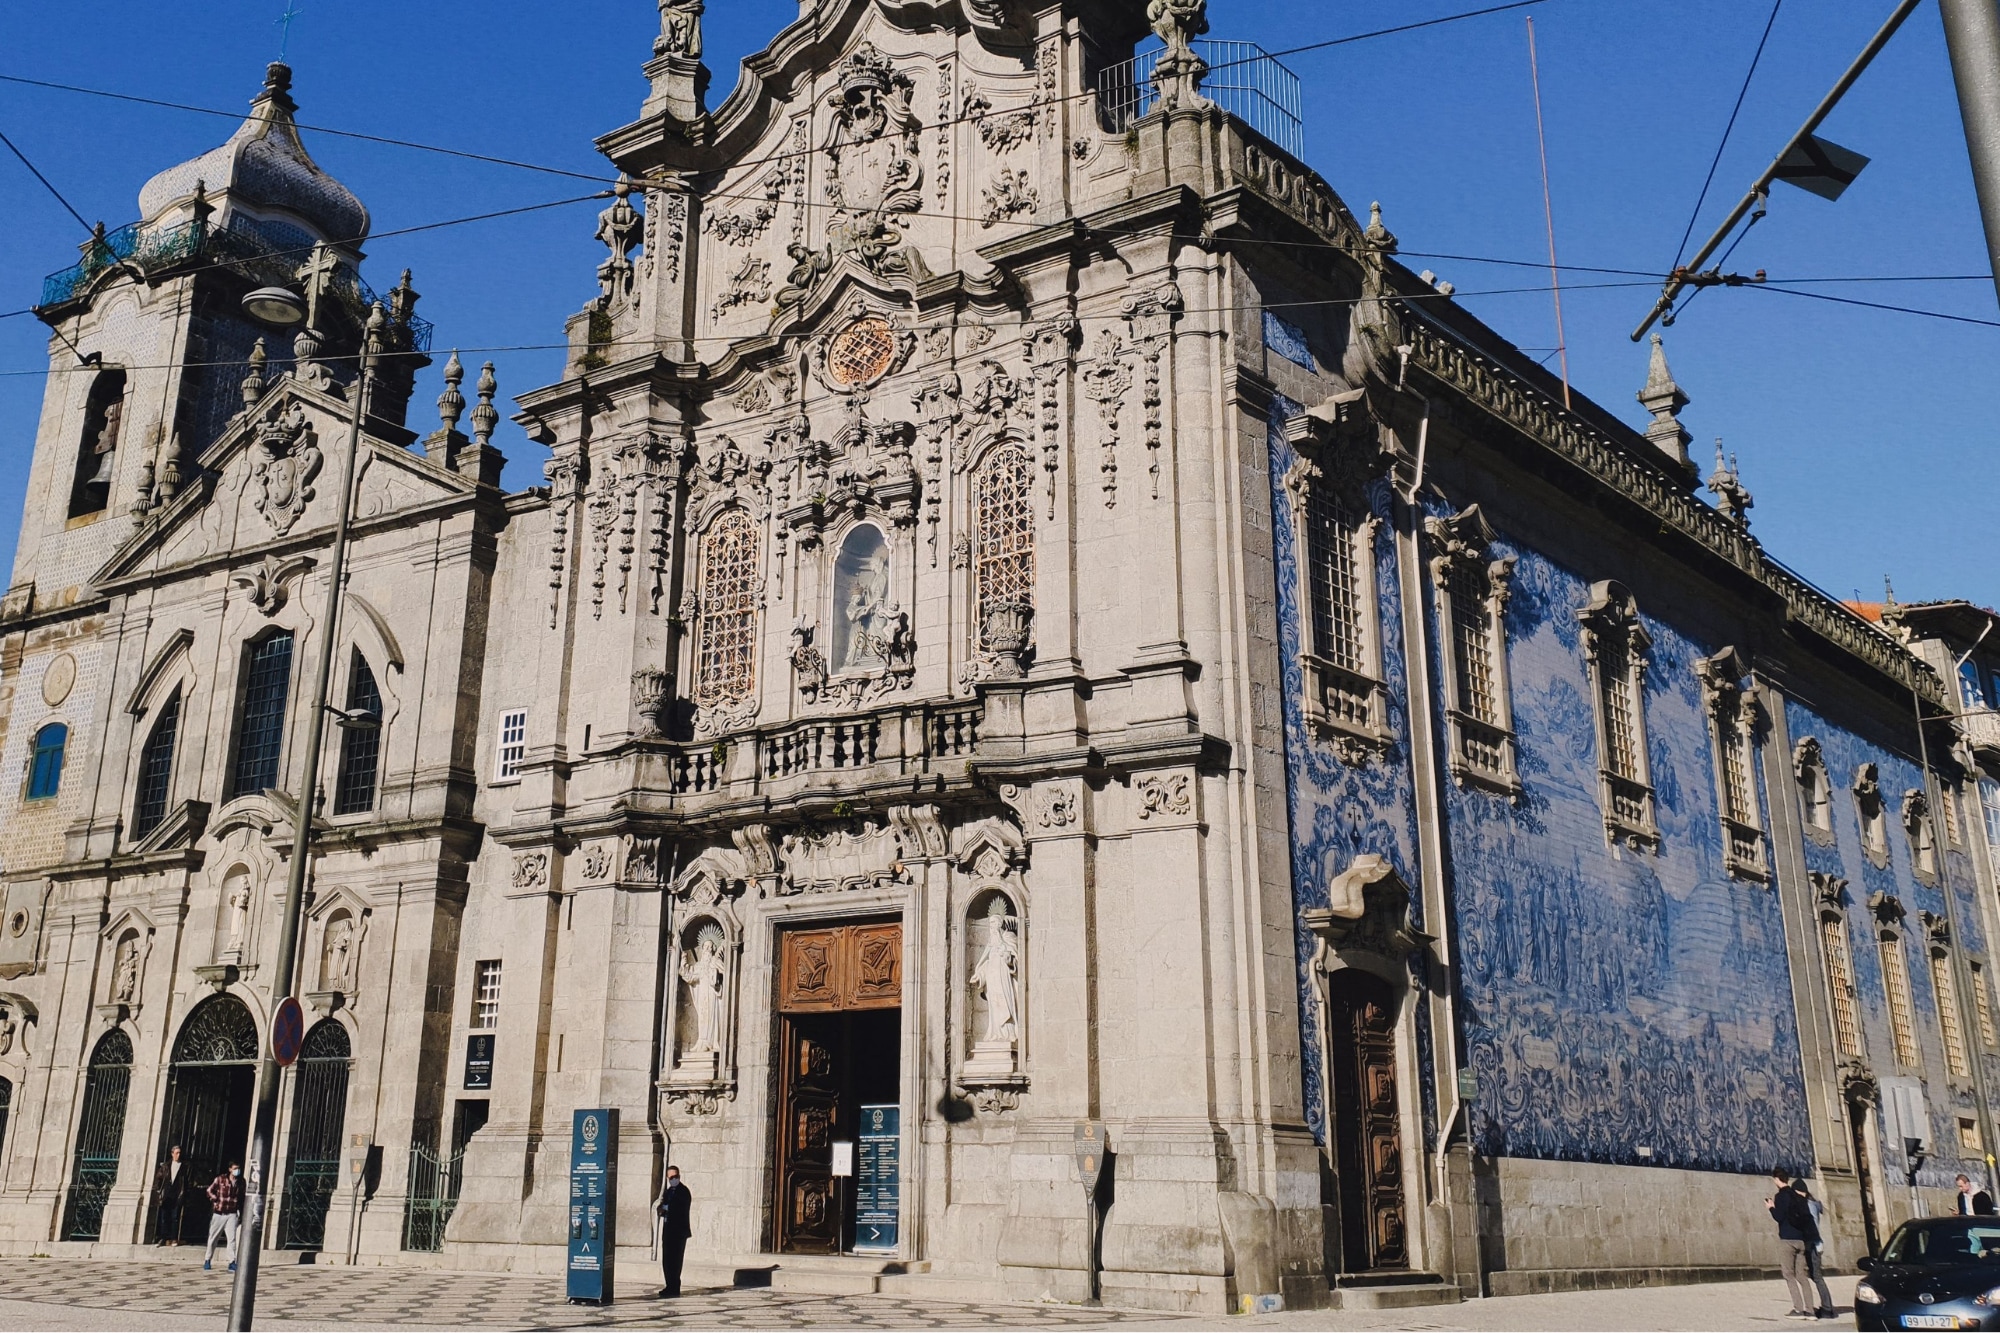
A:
(1664, 399)
(451, 403)
(485, 416)
(1378, 236)
(1732, 497)
(253, 383)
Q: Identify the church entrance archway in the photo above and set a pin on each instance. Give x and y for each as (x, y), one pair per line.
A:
(210, 1087)
(99, 1134)
(1366, 1132)
(840, 996)
(319, 1115)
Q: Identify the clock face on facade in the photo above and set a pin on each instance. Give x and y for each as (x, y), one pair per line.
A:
(861, 353)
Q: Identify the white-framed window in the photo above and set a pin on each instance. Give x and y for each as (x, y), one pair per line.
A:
(1616, 647)
(1815, 788)
(1339, 618)
(1732, 725)
(1472, 618)
(513, 747)
(486, 993)
(1902, 1009)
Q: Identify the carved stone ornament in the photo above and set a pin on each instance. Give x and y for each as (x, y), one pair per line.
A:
(680, 29)
(266, 583)
(841, 856)
(1163, 795)
(1004, 632)
(872, 143)
(1106, 379)
(1369, 912)
(597, 862)
(808, 662)
(866, 348)
(1011, 194)
(1002, 132)
(650, 690)
(531, 870)
(1045, 807)
(287, 460)
(751, 220)
(697, 1101)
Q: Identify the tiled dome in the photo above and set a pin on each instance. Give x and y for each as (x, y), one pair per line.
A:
(264, 165)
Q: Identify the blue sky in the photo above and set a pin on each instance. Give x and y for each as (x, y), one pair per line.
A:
(1866, 436)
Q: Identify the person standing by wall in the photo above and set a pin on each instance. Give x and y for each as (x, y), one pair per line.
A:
(1971, 1202)
(676, 1204)
(225, 1201)
(170, 1191)
(1816, 1250)
(1796, 1233)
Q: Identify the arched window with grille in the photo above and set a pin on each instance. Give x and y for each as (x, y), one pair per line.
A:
(156, 768)
(726, 619)
(1003, 547)
(360, 742)
(260, 715)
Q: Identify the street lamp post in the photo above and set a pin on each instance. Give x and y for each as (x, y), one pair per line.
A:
(257, 1174)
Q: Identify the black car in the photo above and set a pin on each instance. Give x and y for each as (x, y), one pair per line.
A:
(1936, 1272)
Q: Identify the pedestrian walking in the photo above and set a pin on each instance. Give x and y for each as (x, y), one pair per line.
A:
(170, 1191)
(1796, 1233)
(1816, 1252)
(675, 1204)
(225, 1204)
(1971, 1202)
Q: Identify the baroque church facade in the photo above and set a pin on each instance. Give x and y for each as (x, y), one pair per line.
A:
(1036, 616)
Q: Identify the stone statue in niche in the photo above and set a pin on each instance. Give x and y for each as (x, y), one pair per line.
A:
(236, 899)
(125, 972)
(996, 983)
(337, 966)
(861, 595)
(704, 970)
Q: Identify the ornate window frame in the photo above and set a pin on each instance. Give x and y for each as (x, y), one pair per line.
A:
(1346, 705)
(1815, 786)
(1733, 717)
(1001, 558)
(1899, 1000)
(1917, 826)
(1463, 566)
(1611, 626)
(727, 701)
(1837, 959)
(1871, 814)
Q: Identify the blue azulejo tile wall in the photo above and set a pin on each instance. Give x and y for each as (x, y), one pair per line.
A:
(1619, 1006)
(1339, 811)
(1943, 1099)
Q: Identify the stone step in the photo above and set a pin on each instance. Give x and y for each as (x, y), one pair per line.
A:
(824, 1274)
(1395, 1296)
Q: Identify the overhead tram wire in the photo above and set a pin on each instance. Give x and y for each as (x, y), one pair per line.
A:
(1896, 309)
(1734, 111)
(46, 184)
(747, 164)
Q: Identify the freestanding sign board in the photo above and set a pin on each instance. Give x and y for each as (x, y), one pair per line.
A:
(593, 1204)
(878, 1185)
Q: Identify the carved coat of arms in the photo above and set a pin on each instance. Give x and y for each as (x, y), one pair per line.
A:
(287, 460)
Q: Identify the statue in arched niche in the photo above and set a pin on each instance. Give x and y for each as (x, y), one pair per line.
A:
(337, 955)
(861, 601)
(704, 969)
(995, 982)
(236, 903)
(125, 971)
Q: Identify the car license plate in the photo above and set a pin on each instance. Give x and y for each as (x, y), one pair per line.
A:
(1930, 1321)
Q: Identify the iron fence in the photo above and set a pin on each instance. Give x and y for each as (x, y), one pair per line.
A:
(1242, 78)
(434, 1183)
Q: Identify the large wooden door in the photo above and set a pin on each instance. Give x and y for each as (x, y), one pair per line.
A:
(825, 977)
(1368, 1140)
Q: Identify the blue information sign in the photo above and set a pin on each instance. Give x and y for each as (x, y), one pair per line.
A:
(593, 1204)
(878, 1183)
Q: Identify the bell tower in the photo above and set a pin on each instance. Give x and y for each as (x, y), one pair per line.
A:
(150, 347)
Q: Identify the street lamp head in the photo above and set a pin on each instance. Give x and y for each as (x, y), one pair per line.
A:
(358, 719)
(279, 307)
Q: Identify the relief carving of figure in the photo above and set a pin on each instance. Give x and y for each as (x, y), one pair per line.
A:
(125, 971)
(995, 976)
(680, 29)
(705, 970)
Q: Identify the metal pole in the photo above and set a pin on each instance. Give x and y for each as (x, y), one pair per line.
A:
(1972, 35)
(1678, 279)
(250, 1239)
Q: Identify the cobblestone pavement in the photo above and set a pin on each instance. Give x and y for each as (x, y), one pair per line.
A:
(173, 1295)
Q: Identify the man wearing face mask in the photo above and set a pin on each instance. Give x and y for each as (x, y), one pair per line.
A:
(225, 1202)
(675, 1202)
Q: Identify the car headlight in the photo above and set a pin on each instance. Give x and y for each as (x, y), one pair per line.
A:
(1989, 1297)
(1867, 1295)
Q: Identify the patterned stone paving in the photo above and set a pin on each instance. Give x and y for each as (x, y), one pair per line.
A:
(426, 1298)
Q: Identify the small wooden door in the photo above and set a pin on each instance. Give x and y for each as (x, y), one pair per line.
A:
(824, 975)
(1368, 1139)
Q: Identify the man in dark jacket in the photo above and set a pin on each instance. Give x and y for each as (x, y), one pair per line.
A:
(1971, 1202)
(676, 1202)
(1797, 1234)
(171, 1186)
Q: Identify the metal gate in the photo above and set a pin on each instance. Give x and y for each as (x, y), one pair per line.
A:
(99, 1135)
(434, 1182)
(319, 1114)
(210, 1087)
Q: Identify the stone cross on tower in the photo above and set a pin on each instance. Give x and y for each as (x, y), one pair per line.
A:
(283, 23)
(317, 275)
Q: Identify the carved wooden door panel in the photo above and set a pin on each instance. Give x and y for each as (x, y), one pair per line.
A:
(877, 971)
(807, 1219)
(1368, 1148)
(809, 973)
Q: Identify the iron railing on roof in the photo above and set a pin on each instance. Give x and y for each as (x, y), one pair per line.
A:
(250, 254)
(1243, 79)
